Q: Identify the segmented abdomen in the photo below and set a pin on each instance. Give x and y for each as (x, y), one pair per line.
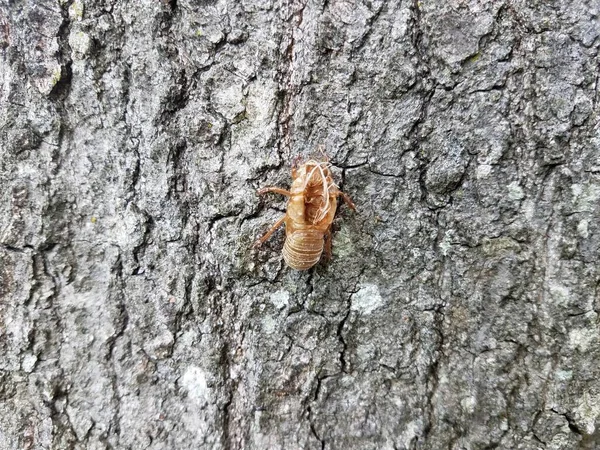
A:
(303, 248)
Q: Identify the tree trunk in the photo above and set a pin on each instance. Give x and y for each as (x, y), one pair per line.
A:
(460, 308)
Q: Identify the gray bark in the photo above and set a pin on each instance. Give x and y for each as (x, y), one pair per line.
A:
(460, 309)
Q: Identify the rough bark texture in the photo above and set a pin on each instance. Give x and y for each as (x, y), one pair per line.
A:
(460, 310)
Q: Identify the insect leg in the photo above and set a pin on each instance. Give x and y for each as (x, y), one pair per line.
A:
(327, 249)
(274, 189)
(295, 164)
(268, 234)
(347, 200)
(321, 150)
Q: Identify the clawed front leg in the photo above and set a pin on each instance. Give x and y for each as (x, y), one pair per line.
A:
(346, 199)
(327, 246)
(321, 149)
(268, 234)
(275, 190)
(295, 164)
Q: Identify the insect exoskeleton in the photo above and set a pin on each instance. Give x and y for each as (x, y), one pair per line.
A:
(309, 215)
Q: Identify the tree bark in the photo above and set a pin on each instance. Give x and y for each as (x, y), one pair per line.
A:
(460, 308)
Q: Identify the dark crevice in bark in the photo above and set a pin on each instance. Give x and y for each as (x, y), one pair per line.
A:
(537, 438)
(313, 429)
(226, 419)
(344, 364)
(63, 430)
(176, 100)
(120, 329)
(10, 248)
(414, 136)
(433, 375)
(177, 182)
(139, 249)
(340, 335)
(427, 88)
(571, 423)
(61, 89)
(185, 312)
(287, 90)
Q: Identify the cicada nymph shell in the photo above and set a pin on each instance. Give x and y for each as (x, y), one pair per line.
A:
(309, 215)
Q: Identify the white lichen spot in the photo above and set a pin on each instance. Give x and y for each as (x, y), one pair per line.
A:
(367, 299)
(188, 338)
(366, 352)
(468, 404)
(563, 375)
(228, 101)
(483, 170)
(268, 325)
(582, 228)
(585, 198)
(343, 245)
(215, 36)
(582, 338)
(28, 362)
(79, 42)
(559, 294)
(195, 383)
(76, 10)
(528, 209)
(515, 192)
(280, 299)
(446, 243)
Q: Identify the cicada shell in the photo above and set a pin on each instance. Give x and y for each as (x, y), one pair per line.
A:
(309, 214)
